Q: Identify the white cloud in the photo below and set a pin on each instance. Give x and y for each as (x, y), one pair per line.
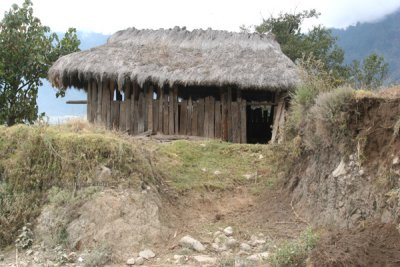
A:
(110, 16)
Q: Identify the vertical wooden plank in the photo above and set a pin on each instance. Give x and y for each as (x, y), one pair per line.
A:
(135, 115)
(145, 121)
(218, 119)
(133, 128)
(165, 114)
(171, 104)
(122, 114)
(277, 118)
(93, 108)
(149, 107)
(115, 114)
(194, 118)
(128, 116)
(175, 97)
(229, 114)
(99, 101)
(200, 118)
(110, 96)
(206, 116)
(224, 115)
(211, 117)
(89, 101)
(183, 118)
(235, 122)
(189, 117)
(141, 113)
(106, 106)
(155, 115)
(243, 122)
(160, 109)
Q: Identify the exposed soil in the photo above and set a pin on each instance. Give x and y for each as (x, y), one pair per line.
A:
(373, 244)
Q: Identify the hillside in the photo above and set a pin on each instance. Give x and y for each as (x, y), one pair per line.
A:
(329, 197)
(381, 37)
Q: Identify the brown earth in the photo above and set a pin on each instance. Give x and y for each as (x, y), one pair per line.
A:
(373, 244)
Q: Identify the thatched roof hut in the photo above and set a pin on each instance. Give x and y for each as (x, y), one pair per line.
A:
(190, 61)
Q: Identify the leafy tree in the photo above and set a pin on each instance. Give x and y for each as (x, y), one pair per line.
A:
(27, 50)
(371, 73)
(317, 43)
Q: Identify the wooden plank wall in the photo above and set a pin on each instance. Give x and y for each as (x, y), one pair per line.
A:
(141, 112)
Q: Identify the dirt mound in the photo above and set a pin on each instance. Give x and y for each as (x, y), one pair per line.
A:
(375, 244)
(121, 220)
(345, 187)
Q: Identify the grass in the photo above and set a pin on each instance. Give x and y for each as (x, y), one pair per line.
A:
(34, 159)
(217, 165)
(294, 253)
(57, 164)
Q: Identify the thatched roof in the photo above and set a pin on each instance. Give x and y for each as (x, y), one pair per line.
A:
(178, 56)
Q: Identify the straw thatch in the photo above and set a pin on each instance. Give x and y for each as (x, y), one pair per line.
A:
(178, 56)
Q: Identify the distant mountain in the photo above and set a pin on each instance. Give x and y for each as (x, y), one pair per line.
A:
(381, 37)
(56, 108)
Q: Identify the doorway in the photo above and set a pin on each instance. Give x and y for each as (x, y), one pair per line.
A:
(259, 123)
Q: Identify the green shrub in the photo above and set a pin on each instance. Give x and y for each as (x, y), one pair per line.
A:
(294, 253)
(314, 80)
(326, 123)
(99, 256)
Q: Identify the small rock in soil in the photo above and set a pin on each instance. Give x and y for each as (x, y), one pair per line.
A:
(29, 252)
(72, 257)
(231, 243)
(147, 254)
(205, 259)
(228, 231)
(190, 242)
(139, 260)
(1, 257)
(258, 257)
(130, 261)
(245, 247)
(181, 258)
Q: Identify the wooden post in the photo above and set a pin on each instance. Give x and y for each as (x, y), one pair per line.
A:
(99, 101)
(235, 122)
(141, 113)
(200, 119)
(211, 117)
(93, 101)
(194, 118)
(229, 115)
(243, 122)
(206, 122)
(279, 112)
(171, 104)
(115, 114)
(160, 108)
(183, 120)
(218, 119)
(89, 100)
(175, 97)
(135, 107)
(189, 116)
(165, 114)
(122, 116)
(106, 104)
(149, 107)
(224, 117)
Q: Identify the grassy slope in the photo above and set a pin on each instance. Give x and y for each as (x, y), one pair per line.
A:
(36, 159)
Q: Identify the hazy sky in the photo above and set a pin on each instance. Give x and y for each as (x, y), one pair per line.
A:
(109, 16)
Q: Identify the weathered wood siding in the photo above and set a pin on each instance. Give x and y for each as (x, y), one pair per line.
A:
(140, 111)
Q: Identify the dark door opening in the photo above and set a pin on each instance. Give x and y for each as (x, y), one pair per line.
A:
(259, 124)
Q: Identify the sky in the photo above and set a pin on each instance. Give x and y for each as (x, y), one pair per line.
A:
(104, 16)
